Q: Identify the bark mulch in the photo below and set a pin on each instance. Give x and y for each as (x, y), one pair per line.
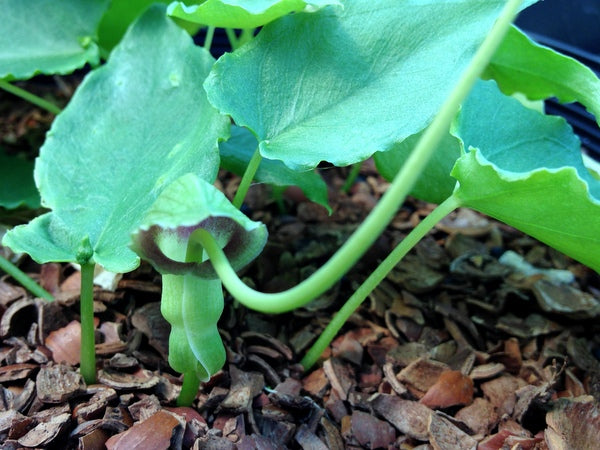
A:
(481, 338)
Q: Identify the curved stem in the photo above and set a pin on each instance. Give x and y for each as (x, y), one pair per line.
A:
(189, 389)
(31, 98)
(375, 278)
(88, 351)
(382, 214)
(23, 279)
(247, 179)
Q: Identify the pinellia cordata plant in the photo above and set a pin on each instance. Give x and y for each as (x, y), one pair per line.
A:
(425, 88)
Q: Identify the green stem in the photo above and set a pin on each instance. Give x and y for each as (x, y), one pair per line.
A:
(352, 176)
(233, 40)
(277, 193)
(382, 214)
(375, 278)
(88, 342)
(246, 36)
(22, 278)
(32, 98)
(210, 33)
(189, 389)
(247, 179)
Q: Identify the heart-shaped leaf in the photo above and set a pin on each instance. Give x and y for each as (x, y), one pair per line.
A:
(242, 13)
(189, 204)
(342, 83)
(114, 148)
(48, 37)
(525, 169)
(521, 65)
(120, 15)
(237, 152)
(16, 182)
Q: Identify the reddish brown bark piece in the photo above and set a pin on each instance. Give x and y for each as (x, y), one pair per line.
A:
(152, 324)
(10, 293)
(244, 387)
(308, 439)
(57, 384)
(501, 392)
(422, 374)
(409, 417)
(316, 383)
(65, 343)
(155, 433)
(480, 416)
(44, 433)
(452, 388)
(18, 317)
(371, 432)
(443, 435)
(485, 371)
(573, 424)
(339, 376)
(141, 379)
(15, 372)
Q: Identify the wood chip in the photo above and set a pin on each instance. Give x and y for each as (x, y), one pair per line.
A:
(44, 433)
(371, 432)
(485, 371)
(480, 416)
(308, 440)
(141, 379)
(339, 376)
(409, 417)
(452, 388)
(15, 372)
(65, 344)
(157, 432)
(17, 319)
(316, 383)
(152, 324)
(59, 383)
(422, 374)
(443, 435)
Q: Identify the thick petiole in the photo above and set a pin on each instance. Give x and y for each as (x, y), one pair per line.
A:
(247, 179)
(88, 342)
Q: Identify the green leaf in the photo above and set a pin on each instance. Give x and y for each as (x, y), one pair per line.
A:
(16, 182)
(237, 152)
(435, 183)
(188, 204)
(521, 65)
(114, 148)
(119, 16)
(242, 13)
(525, 169)
(341, 84)
(48, 37)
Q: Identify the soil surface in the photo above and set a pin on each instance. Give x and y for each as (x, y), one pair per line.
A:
(480, 338)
